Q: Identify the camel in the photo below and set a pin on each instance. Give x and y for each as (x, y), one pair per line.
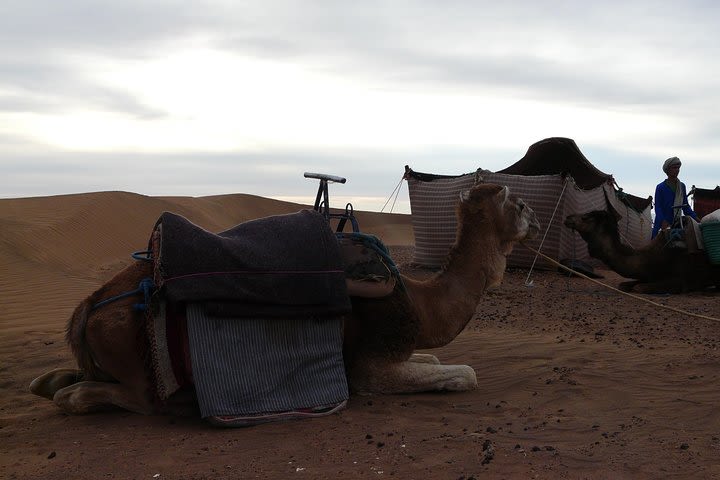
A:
(380, 334)
(656, 268)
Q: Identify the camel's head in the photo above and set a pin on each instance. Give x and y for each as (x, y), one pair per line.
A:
(593, 224)
(510, 216)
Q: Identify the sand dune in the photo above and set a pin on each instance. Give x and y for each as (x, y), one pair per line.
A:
(84, 239)
(576, 381)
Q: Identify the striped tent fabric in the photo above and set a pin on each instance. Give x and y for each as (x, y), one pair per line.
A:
(635, 226)
(432, 201)
(552, 198)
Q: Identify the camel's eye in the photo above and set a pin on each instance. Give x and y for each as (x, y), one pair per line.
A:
(520, 206)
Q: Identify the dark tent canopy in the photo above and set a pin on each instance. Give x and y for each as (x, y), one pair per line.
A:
(705, 200)
(559, 156)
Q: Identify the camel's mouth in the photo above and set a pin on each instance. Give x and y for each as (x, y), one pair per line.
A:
(532, 231)
(533, 228)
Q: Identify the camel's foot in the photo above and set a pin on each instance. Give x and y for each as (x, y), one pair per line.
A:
(87, 397)
(424, 358)
(411, 377)
(48, 383)
(664, 286)
(628, 286)
(457, 378)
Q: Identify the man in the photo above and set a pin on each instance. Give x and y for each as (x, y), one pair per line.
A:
(671, 192)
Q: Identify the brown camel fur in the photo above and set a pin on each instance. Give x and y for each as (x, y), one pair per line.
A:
(657, 267)
(380, 334)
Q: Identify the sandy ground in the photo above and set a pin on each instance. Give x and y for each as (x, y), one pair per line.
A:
(576, 381)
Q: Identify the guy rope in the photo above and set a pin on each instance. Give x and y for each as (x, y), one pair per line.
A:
(527, 280)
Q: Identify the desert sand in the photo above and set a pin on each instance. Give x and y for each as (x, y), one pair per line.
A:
(575, 380)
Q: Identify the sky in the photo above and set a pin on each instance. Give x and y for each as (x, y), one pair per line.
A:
(217, 97)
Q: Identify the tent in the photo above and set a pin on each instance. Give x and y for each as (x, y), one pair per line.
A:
(705, 200)
(554, 178)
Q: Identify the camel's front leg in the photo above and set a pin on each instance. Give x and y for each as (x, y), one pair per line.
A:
(87, 397)
(48, 383)
(411, 377)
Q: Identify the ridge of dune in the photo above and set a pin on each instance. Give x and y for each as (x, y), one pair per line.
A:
(74, 232)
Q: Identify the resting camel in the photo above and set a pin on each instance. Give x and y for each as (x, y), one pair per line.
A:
(655, 268)
(380, 335)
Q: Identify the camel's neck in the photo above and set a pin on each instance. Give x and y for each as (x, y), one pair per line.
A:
(446, 302)
(625, 260)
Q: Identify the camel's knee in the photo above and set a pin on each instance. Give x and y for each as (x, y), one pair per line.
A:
(48, 383)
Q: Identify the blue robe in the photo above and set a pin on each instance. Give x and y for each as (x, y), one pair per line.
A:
(664, 200)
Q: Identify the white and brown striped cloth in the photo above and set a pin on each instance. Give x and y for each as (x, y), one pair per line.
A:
(249, 371)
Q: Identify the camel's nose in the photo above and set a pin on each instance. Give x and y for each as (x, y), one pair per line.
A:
(533, 226)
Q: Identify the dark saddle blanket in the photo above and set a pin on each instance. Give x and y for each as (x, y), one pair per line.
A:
(278, 266)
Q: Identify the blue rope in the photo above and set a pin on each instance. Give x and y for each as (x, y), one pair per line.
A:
(145, 255)
(146, 286)
(677, 234)
(674, 235)
(374, 243)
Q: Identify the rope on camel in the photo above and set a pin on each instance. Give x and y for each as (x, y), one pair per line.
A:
(632, 295)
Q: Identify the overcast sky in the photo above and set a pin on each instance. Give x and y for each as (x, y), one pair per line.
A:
(213, 97)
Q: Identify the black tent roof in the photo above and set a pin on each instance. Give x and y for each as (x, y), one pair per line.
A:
(561, 156)
(705, 192)
(558, 155)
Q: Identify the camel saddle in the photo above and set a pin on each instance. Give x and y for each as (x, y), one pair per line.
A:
(278, 266)
(289, 278)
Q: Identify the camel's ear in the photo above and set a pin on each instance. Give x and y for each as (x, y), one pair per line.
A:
(611, 210)
(464, 195)
(614, 212)
(503, 195)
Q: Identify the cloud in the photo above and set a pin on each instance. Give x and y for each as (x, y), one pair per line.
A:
(564, 52)
(215, 95)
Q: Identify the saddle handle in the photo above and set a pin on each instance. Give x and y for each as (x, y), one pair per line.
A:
(326, 177)
(322, 200)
